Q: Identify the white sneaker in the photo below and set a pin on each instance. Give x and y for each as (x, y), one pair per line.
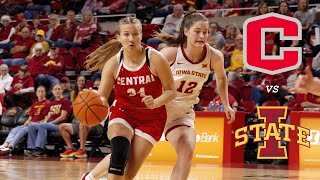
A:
(3, 147)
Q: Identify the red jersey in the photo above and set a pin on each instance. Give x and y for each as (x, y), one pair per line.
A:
(131, 85)
(37, 110)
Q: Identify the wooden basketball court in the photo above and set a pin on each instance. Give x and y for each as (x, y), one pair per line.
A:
(54, 168)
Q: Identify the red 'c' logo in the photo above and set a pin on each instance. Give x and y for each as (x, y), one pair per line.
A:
(254, 30)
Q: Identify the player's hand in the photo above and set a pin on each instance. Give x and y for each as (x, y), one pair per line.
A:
(230, 114)
(149, 102)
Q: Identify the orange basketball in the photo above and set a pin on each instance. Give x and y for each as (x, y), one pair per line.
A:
(90, 108)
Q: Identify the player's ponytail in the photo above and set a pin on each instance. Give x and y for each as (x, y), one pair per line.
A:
(98, 58)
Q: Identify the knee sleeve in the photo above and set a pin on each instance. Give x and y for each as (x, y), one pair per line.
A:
(120, 147)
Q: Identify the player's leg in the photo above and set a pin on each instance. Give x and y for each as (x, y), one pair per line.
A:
(120, 136)
(139, 151)
(183, 140)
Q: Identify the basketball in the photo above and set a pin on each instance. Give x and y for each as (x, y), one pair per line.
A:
(90, 108)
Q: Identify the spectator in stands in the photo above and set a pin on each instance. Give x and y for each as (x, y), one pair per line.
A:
(21, 23)
(284, 9)
(22, 89)
(92, 5)
(96, 84)
(85, 30)
(66, 87)
(232, 101)
(67, 31)
(212, 5)
(215, 36)
(36, 114)
(5, 79)
(79, 86)
(269, 2)
(36, 6)
(192, 8)
(21, 49)
(114, 6)
(57, 112)
(36, 64)
(40, 38)
(53, 31)
(229, 5)
(78, 129)
(51, 69)
(36, 25)
(265, 80)
(262, 9)
(232, 32)
(304, 16)
(6, 31)
(236, 60)
(164, 8)
(5, 85)
(171, 25)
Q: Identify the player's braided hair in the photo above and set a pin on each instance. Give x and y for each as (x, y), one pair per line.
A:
(98, 58)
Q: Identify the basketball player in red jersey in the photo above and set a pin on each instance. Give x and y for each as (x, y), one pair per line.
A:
(143, 84)
(307, 84)
(191, 60)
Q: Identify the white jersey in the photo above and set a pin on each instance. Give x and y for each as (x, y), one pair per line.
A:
(189, 78)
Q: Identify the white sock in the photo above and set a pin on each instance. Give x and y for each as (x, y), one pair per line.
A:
(90, 177)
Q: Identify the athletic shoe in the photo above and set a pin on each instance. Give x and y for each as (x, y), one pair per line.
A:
(29, 152)
(3, 147)
(80, 153)
(83, 177)
(68, 153)
(40, 153)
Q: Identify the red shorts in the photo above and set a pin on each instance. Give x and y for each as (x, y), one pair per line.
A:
(146, 123)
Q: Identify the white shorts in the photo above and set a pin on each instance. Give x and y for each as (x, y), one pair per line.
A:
(177, 117)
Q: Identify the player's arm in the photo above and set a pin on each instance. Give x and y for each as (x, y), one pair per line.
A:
(108, 77)
(217, 64)
(170, 54)
(160, 66)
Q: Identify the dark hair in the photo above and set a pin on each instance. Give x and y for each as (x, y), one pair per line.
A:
(187, 22)
(97, 59)
(76, 88)
(283, 2)
(307, 5)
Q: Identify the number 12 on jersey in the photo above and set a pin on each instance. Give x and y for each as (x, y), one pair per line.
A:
(187, 87)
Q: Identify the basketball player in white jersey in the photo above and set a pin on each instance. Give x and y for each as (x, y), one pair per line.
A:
(191, 60)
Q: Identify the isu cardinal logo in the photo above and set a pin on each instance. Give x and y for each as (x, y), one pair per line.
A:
(204, 65)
